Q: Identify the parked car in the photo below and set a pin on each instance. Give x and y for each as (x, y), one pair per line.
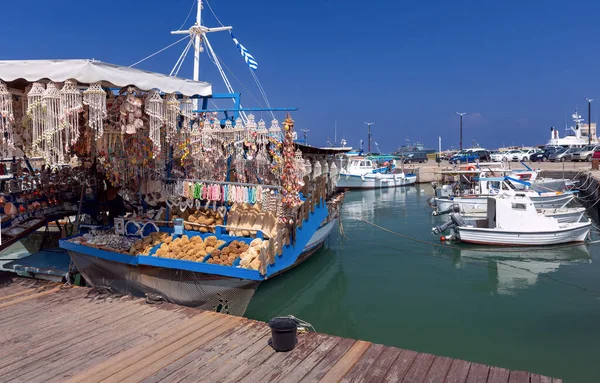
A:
(513, 155)
(470, 155)
(415, 157)
(596, 155)
(585, 153)
(497, 156)
(561, 155)
(543, 155)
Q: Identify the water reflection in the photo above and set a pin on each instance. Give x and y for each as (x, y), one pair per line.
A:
(312, 291)
(512, 270)
(364, 204)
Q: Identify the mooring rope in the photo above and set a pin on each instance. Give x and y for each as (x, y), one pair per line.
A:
(479, 264)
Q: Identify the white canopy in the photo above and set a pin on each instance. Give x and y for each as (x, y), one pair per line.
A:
(91, 71)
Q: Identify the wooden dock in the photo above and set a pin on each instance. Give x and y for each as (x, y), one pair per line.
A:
(55, 333)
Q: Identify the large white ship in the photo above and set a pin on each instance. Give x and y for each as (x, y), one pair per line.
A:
(576, 136)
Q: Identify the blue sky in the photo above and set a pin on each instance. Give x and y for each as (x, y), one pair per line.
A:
(517, 67)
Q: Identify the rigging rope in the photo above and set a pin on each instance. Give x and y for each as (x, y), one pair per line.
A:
(188, 15)
(252, 72)
(159, 51)
(181, 59)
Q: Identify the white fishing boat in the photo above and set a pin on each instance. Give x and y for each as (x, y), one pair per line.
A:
(362, 173)
(492, 186)
(562, 215)
(514, 220)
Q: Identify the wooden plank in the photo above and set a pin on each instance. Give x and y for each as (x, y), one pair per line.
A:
(312, 360)
(498, 375)
(276, 368)
(346, 363)
(331, 358)
(439, 369)
(54, 320)
(400, 366)
(554, 380)
(29, 297)
(71, 335)
(10, 313)
(63, 346)
(246, 366)
(133, 355)
(419, 368)
(518, 377)
(381, 366)
(248, 354)
(175, 351)
(203, 359)
(23, 292)
(108, 350)
(358, 372)
(478, 373)
(79, 353)
(81, 360)
(535, 378)
(458, 371)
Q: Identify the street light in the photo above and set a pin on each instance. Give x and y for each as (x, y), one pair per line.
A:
(461, 116)
(369, 125)
(589, 100)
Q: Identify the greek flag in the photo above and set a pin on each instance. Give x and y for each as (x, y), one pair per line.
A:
(247, 56)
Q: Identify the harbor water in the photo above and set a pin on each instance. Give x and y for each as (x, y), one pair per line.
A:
(533, 310)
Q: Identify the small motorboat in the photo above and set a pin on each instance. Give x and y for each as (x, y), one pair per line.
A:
(361, 173)
(514, 220)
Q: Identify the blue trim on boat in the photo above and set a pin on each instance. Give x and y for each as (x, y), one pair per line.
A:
(290, 255)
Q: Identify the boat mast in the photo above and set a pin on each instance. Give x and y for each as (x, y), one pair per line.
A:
(197, 42)
(198, 32)
(369, 144)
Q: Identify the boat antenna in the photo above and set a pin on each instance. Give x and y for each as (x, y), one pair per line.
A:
(369, 143)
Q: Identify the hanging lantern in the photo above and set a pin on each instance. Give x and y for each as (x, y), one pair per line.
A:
(35, 112)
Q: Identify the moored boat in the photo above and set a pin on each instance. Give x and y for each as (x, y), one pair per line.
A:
(513, 220)
(362, 173)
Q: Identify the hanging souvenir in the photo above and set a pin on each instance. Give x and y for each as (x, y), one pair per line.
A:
(7, 119)
(131, 113)
(171, 116)
(35, 113)
(54, 143)
(290, 182)
(95, 98)
(71, 104)
(154, 109)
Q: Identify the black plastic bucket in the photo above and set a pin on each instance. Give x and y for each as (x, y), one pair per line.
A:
(283, 334)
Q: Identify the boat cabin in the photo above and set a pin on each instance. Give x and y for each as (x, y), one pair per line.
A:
(515, 213)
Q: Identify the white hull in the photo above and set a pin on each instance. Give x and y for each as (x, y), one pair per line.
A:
(375, 181)
(564, 215)
(471, 204)
(574, 232)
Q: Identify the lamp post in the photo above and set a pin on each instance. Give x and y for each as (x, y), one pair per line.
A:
(461, 116)
(369, 144)
(589, 100)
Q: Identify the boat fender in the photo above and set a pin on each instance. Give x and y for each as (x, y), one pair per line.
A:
(362, 177)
